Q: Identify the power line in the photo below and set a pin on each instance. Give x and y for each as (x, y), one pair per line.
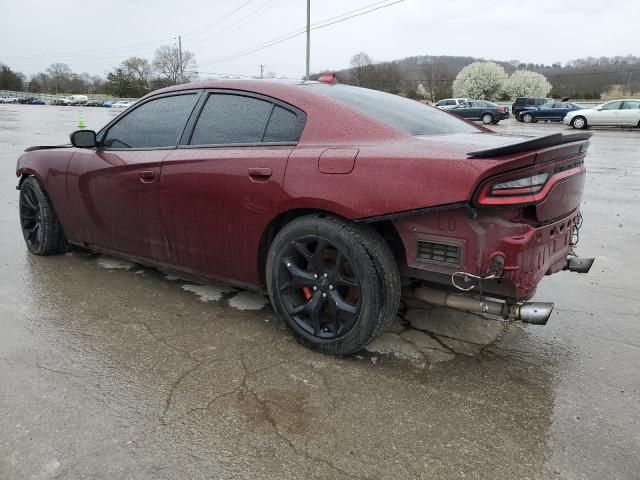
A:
(296, 33)
(198, 31)
(235, 26)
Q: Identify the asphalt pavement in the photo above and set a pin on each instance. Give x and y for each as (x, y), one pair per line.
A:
(110, 370)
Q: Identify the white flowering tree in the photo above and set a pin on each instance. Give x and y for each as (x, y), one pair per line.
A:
(421, 91)
(481, 80)
(525, 83)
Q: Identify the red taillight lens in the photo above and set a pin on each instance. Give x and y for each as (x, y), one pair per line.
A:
(530, 185)
(501, 109)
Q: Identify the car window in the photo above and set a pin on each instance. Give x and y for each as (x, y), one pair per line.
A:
(478, 104)
(611, 106)
(631, 105)
(541, 101)
(228, 118)
(154, 124)
(547, 106)
(408, 116)
(283, 127)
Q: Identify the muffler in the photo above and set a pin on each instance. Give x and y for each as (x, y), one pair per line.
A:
(579, 264)
(536, 313)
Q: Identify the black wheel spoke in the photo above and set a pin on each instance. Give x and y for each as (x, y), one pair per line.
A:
(341, 304)
(303, 250)
(299, 278)
(317, 260)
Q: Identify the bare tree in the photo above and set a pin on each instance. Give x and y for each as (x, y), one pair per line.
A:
(60, 74)
(361, 66)
(140, 69)
(171, 69)
(436, 75)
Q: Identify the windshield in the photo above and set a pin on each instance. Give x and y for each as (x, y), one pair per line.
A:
(409, 116)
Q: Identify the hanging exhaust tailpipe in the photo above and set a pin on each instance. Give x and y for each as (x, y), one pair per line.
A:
(536, 313)
(579, 264)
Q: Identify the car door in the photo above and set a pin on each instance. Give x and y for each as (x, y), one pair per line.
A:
(222, 186)
(630, 113)
(607, 114)
(115, 189)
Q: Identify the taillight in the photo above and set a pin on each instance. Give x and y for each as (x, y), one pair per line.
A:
(526, 186)
(501, 109)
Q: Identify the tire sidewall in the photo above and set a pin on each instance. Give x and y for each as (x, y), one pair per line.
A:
(485, 116)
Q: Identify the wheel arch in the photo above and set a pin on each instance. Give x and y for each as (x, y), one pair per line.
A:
(384, 227)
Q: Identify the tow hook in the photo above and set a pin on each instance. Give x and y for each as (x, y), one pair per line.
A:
(579, 264)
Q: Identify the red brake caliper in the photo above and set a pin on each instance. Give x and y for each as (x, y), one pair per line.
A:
(307, 292)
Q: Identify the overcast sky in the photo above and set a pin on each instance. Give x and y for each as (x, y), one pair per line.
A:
(93, 37)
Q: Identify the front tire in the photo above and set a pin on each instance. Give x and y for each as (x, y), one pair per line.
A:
(527, 118)
(487, 118)
(579, 123)
(41, 228)
(335, 285)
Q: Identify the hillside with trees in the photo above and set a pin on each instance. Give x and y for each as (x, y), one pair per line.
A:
(584, 78)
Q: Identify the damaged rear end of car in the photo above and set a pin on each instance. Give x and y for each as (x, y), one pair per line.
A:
(487, 255)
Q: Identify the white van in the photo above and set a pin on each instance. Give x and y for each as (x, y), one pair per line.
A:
(76, 100)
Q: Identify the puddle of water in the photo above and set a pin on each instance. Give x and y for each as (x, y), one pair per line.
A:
(248, 301)
(107, 261)
(208, 293)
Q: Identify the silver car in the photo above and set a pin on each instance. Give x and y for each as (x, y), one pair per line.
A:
(616, 113)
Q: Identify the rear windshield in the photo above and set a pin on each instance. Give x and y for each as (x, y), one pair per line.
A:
(409, 116)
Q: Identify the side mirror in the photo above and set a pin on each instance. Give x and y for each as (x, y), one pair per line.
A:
(83, 139)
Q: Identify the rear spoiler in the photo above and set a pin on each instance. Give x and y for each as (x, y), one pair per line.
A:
(531, 144)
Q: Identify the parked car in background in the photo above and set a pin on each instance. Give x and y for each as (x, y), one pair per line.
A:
(484, 110)
(271, 192)
(449, 103)
(8, 99)
(93, 103)
(522, 103)
(551, 112)
(59, 102)
(620, 113)
(109, 103)
(122, 104)
(25, 100)
(37, 101)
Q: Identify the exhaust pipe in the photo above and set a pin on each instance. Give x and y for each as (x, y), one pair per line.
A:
(579, 264)
(536, 313)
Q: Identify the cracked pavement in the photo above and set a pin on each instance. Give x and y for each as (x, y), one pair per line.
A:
(111, 370)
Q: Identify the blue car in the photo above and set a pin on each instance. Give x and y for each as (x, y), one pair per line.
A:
(551, 112)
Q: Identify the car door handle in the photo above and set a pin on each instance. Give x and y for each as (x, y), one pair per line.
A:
(147, 176)
(260, 174)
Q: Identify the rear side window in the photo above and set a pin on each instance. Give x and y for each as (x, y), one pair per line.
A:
(283, 126)
(631, 105)
(231, 119)
(408, 116)
(154, 124)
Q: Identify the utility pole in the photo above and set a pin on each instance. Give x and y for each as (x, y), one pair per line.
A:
(308, 36)
(262, 70)
(180, 58)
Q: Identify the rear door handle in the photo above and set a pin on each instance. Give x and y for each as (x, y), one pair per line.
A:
(260, 174)
(147, 176)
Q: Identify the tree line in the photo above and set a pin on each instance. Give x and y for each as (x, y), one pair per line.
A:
(432, 77)
(133, 77)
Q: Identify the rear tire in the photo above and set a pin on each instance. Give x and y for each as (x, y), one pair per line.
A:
(334, 284)
(41, 228)
(487, 118)
(579, 123)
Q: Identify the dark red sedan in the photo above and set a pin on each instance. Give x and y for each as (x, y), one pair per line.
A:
(326, 196)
